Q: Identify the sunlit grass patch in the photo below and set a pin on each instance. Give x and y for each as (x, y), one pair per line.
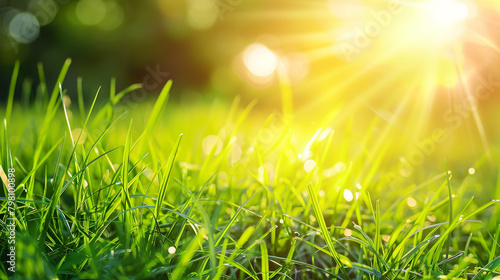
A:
(220, 192)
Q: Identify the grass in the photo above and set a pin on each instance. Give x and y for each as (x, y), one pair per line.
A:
(107, 194)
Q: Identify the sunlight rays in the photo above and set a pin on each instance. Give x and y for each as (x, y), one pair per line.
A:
(400, 58)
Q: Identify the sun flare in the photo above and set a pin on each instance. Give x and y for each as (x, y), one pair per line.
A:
(446, 12)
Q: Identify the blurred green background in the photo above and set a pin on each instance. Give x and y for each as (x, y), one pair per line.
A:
(194, 42)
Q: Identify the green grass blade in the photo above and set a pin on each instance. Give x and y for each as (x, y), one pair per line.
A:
(166, 177)
(264, 261)
(186, 257)
(324, 230)
(12, 89)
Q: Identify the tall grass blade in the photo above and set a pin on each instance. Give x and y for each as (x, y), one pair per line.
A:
(324, 229)
(12, 89)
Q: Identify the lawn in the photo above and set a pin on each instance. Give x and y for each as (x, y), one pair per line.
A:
(111, 189)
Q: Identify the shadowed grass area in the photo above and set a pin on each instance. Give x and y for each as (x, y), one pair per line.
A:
(121, 191)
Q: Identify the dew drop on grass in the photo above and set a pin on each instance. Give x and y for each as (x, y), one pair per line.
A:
(411, 202)
(348, 195)
(171, 250)
(472, 171)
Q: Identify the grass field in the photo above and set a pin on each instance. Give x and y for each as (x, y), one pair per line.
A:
(105, 190)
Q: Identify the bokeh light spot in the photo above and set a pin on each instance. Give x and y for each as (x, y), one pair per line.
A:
(76, 133)
(260, 60)
(90, 12)
(340, 167)
(296, 67)
(235, 154)
(201, 14)
(24, 28)
(309, 165)
(411, 202)
(209, 142)
(44, 10)
(114, 16)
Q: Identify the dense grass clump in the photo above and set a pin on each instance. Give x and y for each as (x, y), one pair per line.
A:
(205, 193)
